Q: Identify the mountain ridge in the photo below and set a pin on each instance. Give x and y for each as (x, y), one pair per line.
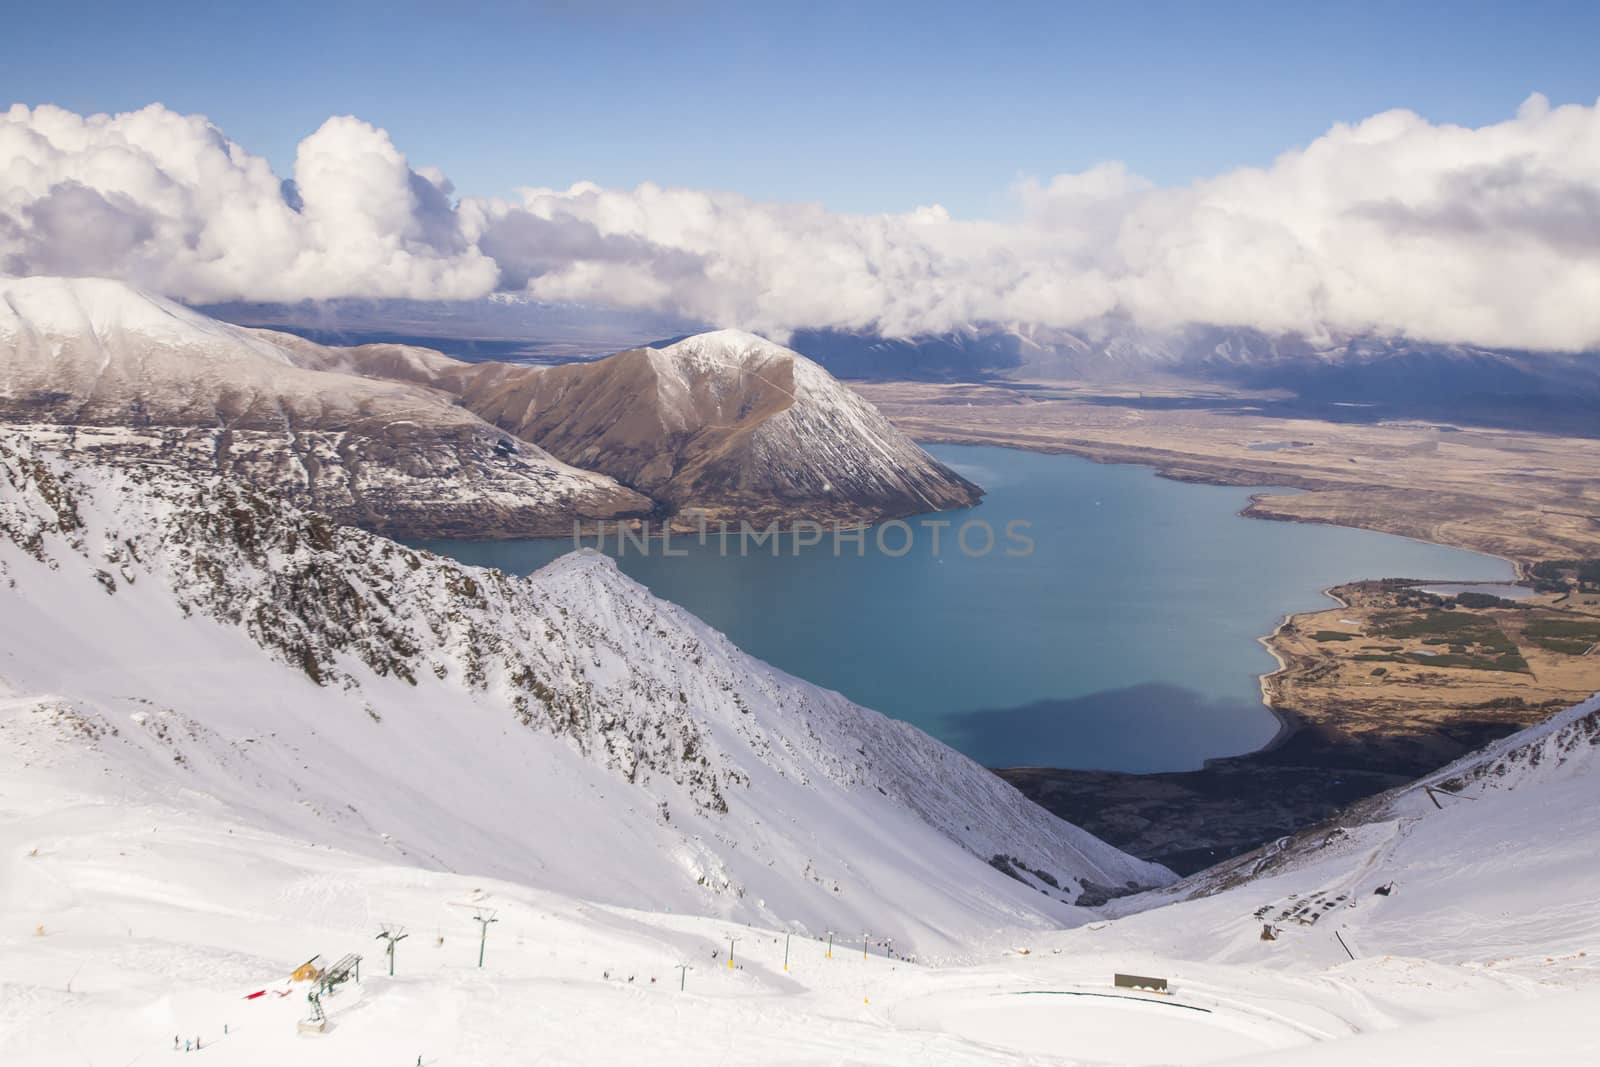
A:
(725, 423)
(311, 674)
(1324, 377)
(407, 440)
(121, 374)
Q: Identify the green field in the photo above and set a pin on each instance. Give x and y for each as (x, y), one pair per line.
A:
(1476, 642)
(1570, 636)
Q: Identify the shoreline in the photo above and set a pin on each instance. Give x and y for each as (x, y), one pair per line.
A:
(1312, 766)
(1164, 464)
(1290, 723)
(1349, 728)
(1521, 494)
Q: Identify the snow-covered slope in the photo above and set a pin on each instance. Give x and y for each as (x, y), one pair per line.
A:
(726, 422)
(232, 736)
(94, 350)
(132, 377)
(129, 915)
(186, 636)
(1492, 862)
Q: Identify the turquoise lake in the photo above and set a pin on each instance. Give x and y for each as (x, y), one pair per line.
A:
(1126, 640)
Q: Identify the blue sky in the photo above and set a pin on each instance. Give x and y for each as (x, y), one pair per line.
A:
(864, 107)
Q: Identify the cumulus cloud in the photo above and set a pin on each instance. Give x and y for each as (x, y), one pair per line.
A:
(167, 201)
(1393, 226)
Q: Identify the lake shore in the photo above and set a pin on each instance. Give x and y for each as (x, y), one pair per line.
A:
(1346, 729)
(1361, 709)
(1516, 494)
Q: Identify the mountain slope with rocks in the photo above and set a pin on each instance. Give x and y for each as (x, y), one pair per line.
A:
(726, 423)
(233, 735)
(405, 440)
(118, 374)
(190, 637)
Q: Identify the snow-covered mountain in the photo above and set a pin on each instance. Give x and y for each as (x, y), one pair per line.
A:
(128, 376)
(190, 637)
(725, 422)
(175, 839)
(404, 439)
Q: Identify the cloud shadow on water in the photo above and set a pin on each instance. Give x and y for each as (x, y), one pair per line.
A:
(1155, 726)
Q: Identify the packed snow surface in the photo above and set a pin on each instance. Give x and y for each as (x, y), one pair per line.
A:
(130, 918)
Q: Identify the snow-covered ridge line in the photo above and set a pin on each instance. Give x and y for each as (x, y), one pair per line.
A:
(571, 698)
(137, 379)
(401, 439)
(726, 422)
(1563, 747)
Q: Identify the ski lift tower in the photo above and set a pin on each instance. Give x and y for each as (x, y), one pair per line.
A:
(317, 1021)
(483, 917)
(392, 935)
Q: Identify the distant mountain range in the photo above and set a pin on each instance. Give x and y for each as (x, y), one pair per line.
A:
(1397, 377)
(1355, 367)
(1404, 376)
(500, 328)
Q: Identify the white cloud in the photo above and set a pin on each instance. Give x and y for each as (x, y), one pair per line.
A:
(167, 201)
(1393, 225)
